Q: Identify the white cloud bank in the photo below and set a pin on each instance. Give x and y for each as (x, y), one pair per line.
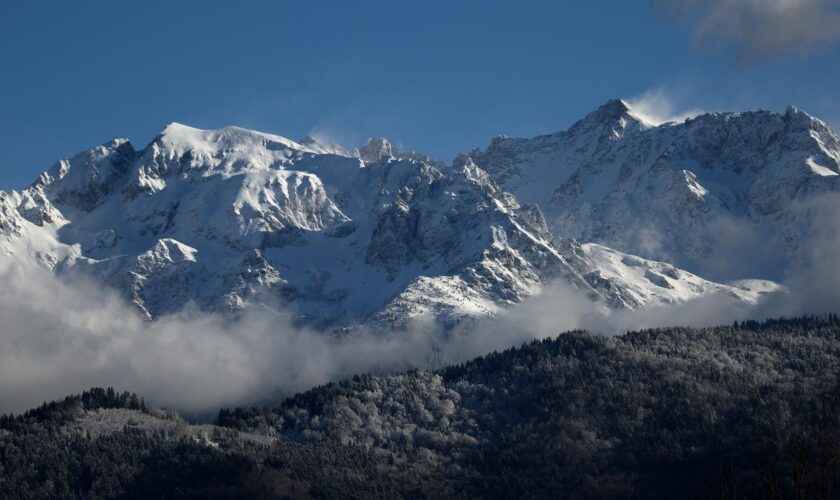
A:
(59, 338)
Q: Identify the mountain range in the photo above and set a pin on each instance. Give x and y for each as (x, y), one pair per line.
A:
(626, 213)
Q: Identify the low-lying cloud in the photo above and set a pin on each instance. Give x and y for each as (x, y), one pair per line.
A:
(759, 29)
(558, 308)
(61, 337)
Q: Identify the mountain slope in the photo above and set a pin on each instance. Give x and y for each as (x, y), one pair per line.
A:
(228, 217)
(751, 409)
(724, 195)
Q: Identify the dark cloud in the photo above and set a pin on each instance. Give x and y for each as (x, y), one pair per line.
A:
(759, 29)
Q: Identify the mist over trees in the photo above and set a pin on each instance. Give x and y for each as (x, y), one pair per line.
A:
(748, 410)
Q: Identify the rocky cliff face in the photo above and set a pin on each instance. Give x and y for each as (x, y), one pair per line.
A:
(229, 217)
(726, 195)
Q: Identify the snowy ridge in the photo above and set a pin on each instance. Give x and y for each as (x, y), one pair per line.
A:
(679, 192)
(223, 218)
(657, 282)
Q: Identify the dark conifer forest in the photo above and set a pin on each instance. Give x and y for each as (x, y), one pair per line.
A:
(750, 410)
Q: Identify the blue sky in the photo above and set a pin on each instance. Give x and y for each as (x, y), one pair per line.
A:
(439, 77)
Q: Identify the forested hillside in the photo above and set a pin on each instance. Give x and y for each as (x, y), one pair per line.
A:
(749, 410)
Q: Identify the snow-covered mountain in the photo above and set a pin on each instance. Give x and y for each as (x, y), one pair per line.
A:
(226, 217)
(725, 195)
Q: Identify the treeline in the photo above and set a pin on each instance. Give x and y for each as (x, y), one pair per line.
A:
(805, 321)
(747, 410)
(56, 413)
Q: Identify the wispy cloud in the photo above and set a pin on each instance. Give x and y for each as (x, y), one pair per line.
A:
(760, 29)
(658, 106)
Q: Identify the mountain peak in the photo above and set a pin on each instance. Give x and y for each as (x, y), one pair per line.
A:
(317, 146)
(809, 124)
(176, 127)
(614, 107)
(375, 148)
(175, 132)
(180, 138)
(615, 110)
(615, 117)
(794, 113)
